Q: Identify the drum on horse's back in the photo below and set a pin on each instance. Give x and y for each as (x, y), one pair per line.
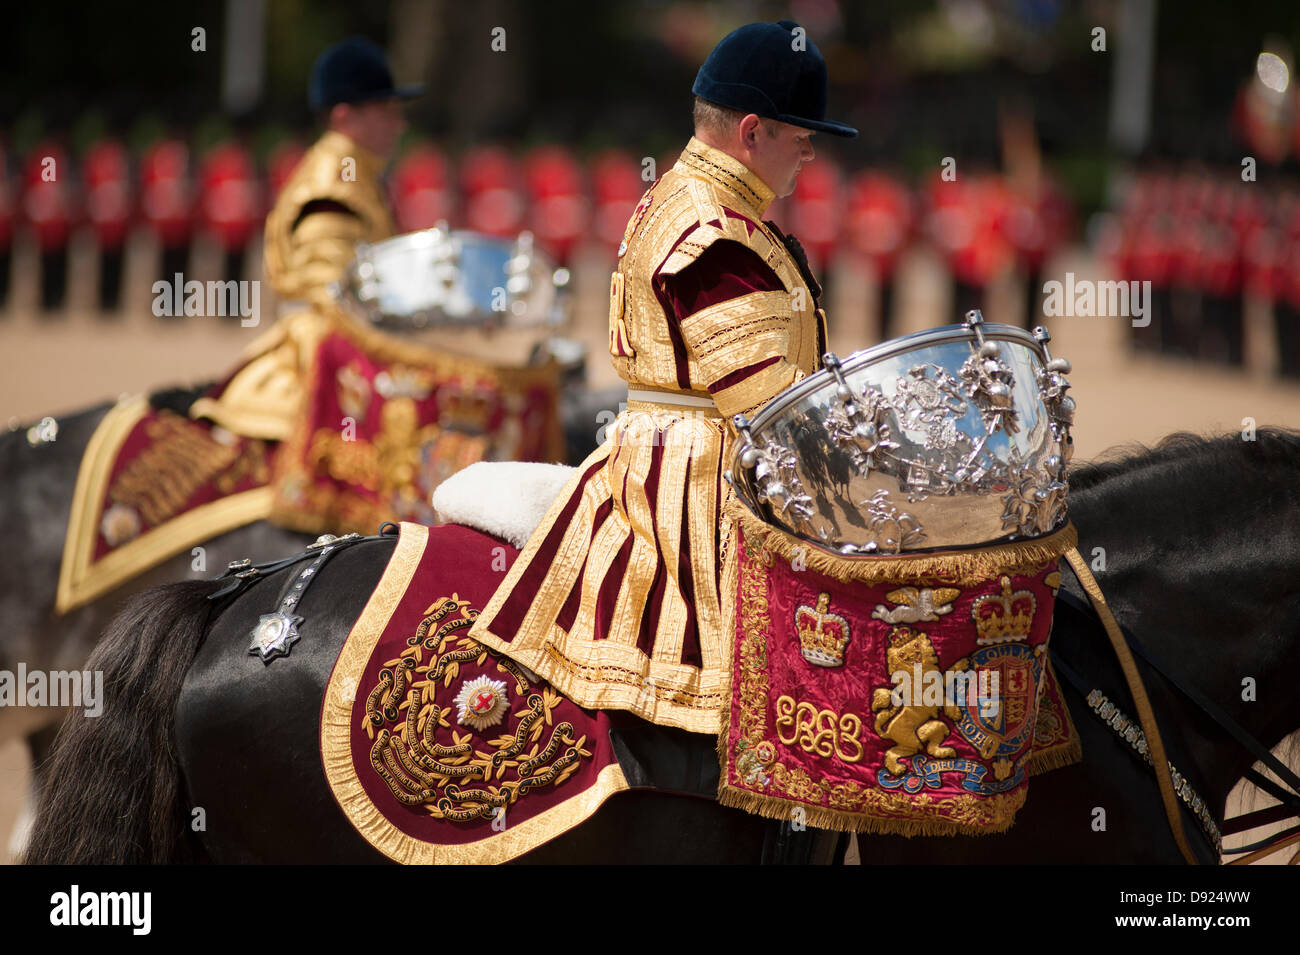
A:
(932, 561)
(957, 437)
(444, 278)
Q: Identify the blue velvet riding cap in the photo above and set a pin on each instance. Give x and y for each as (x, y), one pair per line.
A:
(354, 71)
(771, 70)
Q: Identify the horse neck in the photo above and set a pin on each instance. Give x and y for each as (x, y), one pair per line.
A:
(1201, 555)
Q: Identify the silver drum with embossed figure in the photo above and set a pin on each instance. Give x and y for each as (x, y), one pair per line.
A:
(441, 277)
(950, 438)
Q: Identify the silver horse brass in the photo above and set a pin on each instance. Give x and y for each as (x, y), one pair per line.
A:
(954, 437)
(440, 277)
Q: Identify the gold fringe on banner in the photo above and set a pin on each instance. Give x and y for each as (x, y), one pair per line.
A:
(1060, 755)
(961, 567)
(1059, 758)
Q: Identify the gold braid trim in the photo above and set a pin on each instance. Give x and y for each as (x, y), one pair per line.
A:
(738, 332)
(961, 567)
(729, 171)
(756, 390)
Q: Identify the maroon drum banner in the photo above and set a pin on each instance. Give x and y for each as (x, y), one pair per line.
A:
(895, 695)
(384, 423)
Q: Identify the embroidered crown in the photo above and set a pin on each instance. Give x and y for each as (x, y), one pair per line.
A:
(466, 409)
(1003, 618)
(822, 635)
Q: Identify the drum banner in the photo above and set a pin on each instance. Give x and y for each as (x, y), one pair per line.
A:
(385, 422)
(904, 704)
(151, 484)
(439, 749)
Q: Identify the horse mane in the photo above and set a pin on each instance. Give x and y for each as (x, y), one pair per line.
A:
(1271, 445)
(1191, 469)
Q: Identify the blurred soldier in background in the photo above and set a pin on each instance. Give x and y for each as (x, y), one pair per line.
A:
(333, 200)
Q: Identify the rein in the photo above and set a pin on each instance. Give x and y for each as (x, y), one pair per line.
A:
(1122, 640)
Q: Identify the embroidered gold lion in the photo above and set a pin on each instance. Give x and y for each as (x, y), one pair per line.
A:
(913, 728)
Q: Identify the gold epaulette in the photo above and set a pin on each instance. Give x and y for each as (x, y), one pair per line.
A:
(305, 254)
(705, 198)
(323, 245)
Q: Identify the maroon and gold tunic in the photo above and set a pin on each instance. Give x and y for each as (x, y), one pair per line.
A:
(623, 597)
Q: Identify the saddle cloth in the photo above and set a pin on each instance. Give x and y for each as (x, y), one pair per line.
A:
(153, 483)
(437, 749)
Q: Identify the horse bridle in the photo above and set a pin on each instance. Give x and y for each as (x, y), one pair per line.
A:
(1146, 742)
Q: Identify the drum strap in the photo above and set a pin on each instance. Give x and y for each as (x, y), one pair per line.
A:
(1146, 716)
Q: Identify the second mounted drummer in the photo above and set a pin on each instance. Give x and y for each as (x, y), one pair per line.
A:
(333, 200)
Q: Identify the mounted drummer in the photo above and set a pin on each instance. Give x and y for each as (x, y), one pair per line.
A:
(622, 597)
(334, 199)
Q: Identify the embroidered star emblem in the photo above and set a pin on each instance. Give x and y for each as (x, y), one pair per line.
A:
(274, 634)
(482, 703)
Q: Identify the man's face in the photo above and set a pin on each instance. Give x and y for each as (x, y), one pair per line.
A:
(377, 126)
(777, 159)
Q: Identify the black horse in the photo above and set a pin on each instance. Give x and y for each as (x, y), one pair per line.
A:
(1201, 542)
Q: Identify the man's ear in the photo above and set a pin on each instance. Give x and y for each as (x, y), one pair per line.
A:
(340, 113)
(750, 127)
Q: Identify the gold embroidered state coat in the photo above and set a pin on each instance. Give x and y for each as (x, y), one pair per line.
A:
(305, 250)
(624, 595)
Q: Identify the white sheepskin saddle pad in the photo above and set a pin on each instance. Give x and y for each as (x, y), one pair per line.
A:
(504, 498)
